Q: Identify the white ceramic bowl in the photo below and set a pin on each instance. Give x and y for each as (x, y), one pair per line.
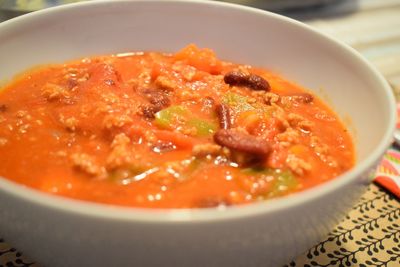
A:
(61, 232)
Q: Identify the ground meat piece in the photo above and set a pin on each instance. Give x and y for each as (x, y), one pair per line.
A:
(242, 142)
(318, 146)
(305, 126)
(165, 83)
(251, 100)
(116, 120)
(224, 116)
(294, 119)
(252, 81)
(120, 140)
(53, 92)
(298, 121)
(111, 72)
(270, 98)
(280, 115)
(186, 95)
(189, 131)
(70, 123)
(322, 151)
(110, 98)
(109, 82)
(290, 135)
(80, 75)
(143, 79)
(83, 78)
(21, 113)
(73, 77)
(331, 162)
(300, 98)
(121, 154)
(22, 129)
(297, 165)
(187, 72)
(145, 76)
(207, 103)
(87, 164)
(324, 116)
(203, 150)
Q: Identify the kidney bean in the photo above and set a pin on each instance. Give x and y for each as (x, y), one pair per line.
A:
(158, 100)
(242, 142)
(252, 81)
(149, 111)
(224, 116)
(3, 108)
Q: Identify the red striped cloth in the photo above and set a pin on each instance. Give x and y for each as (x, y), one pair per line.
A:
(388, 172)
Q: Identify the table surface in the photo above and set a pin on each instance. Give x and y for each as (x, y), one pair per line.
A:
(372, 27)
(370, 233)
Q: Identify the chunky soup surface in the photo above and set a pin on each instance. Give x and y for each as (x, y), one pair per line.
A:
(158, 130)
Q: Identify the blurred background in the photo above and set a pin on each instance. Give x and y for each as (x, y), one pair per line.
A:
(370, 26)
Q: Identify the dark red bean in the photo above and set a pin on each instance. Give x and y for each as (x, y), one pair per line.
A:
(258, 83)
(242, 142)
(149, 111)
(252, 81)
(71, 83)
(158, 101)
(235, 78)
(3, 108)
(224, 116)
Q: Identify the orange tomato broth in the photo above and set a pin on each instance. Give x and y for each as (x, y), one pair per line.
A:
(78, 130)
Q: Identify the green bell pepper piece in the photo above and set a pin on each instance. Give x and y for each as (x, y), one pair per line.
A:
(203, 127)
(284, 179)
(168, 118)
(237, 102)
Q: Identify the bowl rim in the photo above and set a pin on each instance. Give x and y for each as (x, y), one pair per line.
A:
(132, 214)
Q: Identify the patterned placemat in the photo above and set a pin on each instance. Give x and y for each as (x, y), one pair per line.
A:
(368, 236)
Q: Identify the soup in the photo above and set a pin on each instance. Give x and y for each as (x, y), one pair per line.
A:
(157, 130)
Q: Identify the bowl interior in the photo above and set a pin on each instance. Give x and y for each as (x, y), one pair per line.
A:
(244, 35)
(249, 37)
